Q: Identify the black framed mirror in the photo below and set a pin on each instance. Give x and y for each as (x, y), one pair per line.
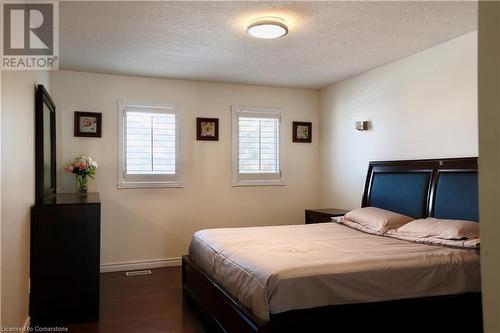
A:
(45, 146)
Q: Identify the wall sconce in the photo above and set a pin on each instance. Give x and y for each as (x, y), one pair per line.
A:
(361, 125)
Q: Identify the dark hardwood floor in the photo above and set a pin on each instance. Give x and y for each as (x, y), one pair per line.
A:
(144, 304)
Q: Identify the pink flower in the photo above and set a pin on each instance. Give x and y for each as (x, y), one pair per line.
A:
(81, 165)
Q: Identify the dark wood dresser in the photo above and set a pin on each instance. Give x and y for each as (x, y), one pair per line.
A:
(65, 259)
(322, 215)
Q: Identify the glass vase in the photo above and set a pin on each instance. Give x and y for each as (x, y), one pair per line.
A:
(81, 183)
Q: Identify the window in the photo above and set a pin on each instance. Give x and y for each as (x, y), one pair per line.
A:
(257, 151)
(148, 137)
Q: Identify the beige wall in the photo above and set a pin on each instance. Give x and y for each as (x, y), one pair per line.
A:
(489, 160)
(18, 188)
(147, 224)
(422, 106)
(1, 223)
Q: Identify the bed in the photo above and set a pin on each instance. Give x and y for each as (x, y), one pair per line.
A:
(269, 279)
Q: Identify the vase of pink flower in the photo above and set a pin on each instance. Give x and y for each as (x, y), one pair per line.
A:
(83, 167)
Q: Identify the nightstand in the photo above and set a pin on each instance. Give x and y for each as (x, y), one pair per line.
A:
(323, 215)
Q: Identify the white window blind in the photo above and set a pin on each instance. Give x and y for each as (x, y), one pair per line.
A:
(256, 146)
(149, 146)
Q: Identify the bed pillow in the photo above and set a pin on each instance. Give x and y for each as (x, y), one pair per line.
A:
(377, 219)
(440, 228)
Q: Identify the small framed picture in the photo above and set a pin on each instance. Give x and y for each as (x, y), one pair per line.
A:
(302, 131)
(207, 129)
(88, 124)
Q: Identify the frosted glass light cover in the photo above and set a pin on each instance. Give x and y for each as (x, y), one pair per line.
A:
(267, 28)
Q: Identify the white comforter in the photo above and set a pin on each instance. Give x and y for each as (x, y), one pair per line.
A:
(280, 268)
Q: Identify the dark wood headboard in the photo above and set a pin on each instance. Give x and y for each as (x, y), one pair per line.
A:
(443, 188)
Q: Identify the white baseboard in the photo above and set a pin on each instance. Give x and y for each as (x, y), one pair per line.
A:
(140, 264)
(26, 325)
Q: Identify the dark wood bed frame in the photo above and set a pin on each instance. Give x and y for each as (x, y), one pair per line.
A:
(459, 313)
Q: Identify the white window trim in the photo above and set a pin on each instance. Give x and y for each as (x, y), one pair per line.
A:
(122, 183)
(235, 110)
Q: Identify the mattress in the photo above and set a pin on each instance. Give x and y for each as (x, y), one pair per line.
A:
(275, 269)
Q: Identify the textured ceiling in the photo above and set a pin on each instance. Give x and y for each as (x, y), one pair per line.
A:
(328, 41)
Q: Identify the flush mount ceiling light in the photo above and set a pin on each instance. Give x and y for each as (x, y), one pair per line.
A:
(267, 27)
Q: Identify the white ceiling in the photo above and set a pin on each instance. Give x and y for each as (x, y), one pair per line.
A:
(328, 41)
